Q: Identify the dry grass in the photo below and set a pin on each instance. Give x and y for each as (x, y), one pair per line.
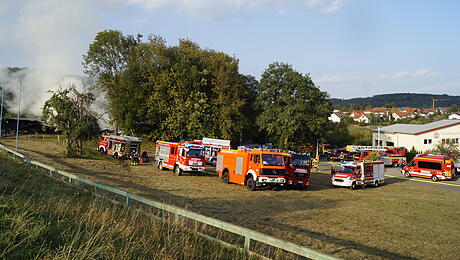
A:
(45, 219)
(393, 221)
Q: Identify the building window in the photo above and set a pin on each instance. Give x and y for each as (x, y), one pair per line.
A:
(427, 141)
(390, 144)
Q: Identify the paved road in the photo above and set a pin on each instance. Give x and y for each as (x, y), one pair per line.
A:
(393, 175)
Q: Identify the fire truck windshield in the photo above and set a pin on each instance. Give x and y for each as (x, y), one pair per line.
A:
(345, 169)
(302, 162)
(273, 160)
(195, 153)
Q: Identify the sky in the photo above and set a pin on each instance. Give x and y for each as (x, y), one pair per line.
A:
(350, 48)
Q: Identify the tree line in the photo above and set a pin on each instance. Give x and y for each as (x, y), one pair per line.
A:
(184, 91)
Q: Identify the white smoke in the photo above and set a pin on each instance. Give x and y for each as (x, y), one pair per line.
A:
(53, 35)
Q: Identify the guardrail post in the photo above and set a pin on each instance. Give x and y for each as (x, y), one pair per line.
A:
(69, 180)
(247, 243)
(96, 190)
(128, 201)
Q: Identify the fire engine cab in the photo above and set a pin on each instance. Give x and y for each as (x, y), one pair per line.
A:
(180, 157)
(253, 168)
(119, 146)
(358, 173)
(298, 168)
(435, 167)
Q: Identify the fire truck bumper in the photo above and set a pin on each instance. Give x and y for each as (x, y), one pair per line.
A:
(343, 182)
(266, 181)
(193, 169)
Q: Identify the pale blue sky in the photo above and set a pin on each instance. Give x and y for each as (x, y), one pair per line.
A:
(349, 47)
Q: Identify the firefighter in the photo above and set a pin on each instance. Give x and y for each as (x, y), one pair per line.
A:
(315, 164)
(135, 158)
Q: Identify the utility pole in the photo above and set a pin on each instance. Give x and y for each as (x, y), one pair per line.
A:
(1, 116)
(19, 111)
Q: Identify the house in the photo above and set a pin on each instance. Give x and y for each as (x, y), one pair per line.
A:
(362, 117)
(422, 137)
(336, 117)
(455, 116)
(402, 114)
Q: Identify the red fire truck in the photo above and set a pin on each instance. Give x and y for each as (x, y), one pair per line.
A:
(357, 173)
(180, 157)
(119, 146)
(390, 155)
(436, 167)
(298, 168)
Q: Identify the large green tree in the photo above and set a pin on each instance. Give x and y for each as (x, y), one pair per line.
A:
(293, 110)
(68, 110)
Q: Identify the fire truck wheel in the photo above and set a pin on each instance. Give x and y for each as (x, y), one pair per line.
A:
(160, 166)
(407, 174)
(434, 178)
(226, 177)
(115, 155)
(353, 185)
(101, 150)
(376, 184)
(395, 164)
(178, 170)
(251, 184)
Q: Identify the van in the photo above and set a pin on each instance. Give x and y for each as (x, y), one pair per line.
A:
(435, 167)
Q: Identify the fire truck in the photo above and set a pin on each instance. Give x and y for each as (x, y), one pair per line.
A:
(120, 146)
(358, 173)
(390, 155)
(435, 167)
(298, 170)
(180, 157)
(212, 148)
(253, 168)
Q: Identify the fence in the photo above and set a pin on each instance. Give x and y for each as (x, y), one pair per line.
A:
(247, 234)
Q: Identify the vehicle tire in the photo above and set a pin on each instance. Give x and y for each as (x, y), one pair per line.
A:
(226, 177)
(251, 184)
(434, 178)
(178, 170)
(115, 155)
(353, 186)
(376, 184)
(407, 174)
(160, 165)
(101, 150)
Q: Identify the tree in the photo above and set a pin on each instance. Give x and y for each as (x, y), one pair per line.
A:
(339, 135)
(69, 111)
(448, 148)
(106, 59)
(454, 109)
(293, 110)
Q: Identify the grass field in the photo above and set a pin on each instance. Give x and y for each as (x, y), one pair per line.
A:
(43, 218)
(395, 221)
(362, 134)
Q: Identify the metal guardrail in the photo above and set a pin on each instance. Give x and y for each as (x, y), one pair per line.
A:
(248, 234)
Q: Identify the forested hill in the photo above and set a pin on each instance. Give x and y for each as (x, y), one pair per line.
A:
(400, 100)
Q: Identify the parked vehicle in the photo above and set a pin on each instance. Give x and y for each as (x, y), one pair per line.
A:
(390, 155)
(180, 157)
(119, 146)
(253, 168)
(435, 167)
(358, 173)
(213, 147)
(298, 170)
(341, 155)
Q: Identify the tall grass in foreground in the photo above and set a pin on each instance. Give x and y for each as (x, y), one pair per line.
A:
(43, 218)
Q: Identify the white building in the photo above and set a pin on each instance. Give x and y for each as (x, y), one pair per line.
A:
(336, 118)
(422, 137)
(455, 116)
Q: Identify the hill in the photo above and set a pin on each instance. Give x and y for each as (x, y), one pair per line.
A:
(400, 100)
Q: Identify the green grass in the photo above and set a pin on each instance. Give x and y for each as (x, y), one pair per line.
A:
(41, 217)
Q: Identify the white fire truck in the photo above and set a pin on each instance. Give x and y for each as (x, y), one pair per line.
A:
(180, 157)
(213, 147)
(358, 173)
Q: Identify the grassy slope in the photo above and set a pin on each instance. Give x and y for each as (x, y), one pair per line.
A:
(393, 221)
(43, 218)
